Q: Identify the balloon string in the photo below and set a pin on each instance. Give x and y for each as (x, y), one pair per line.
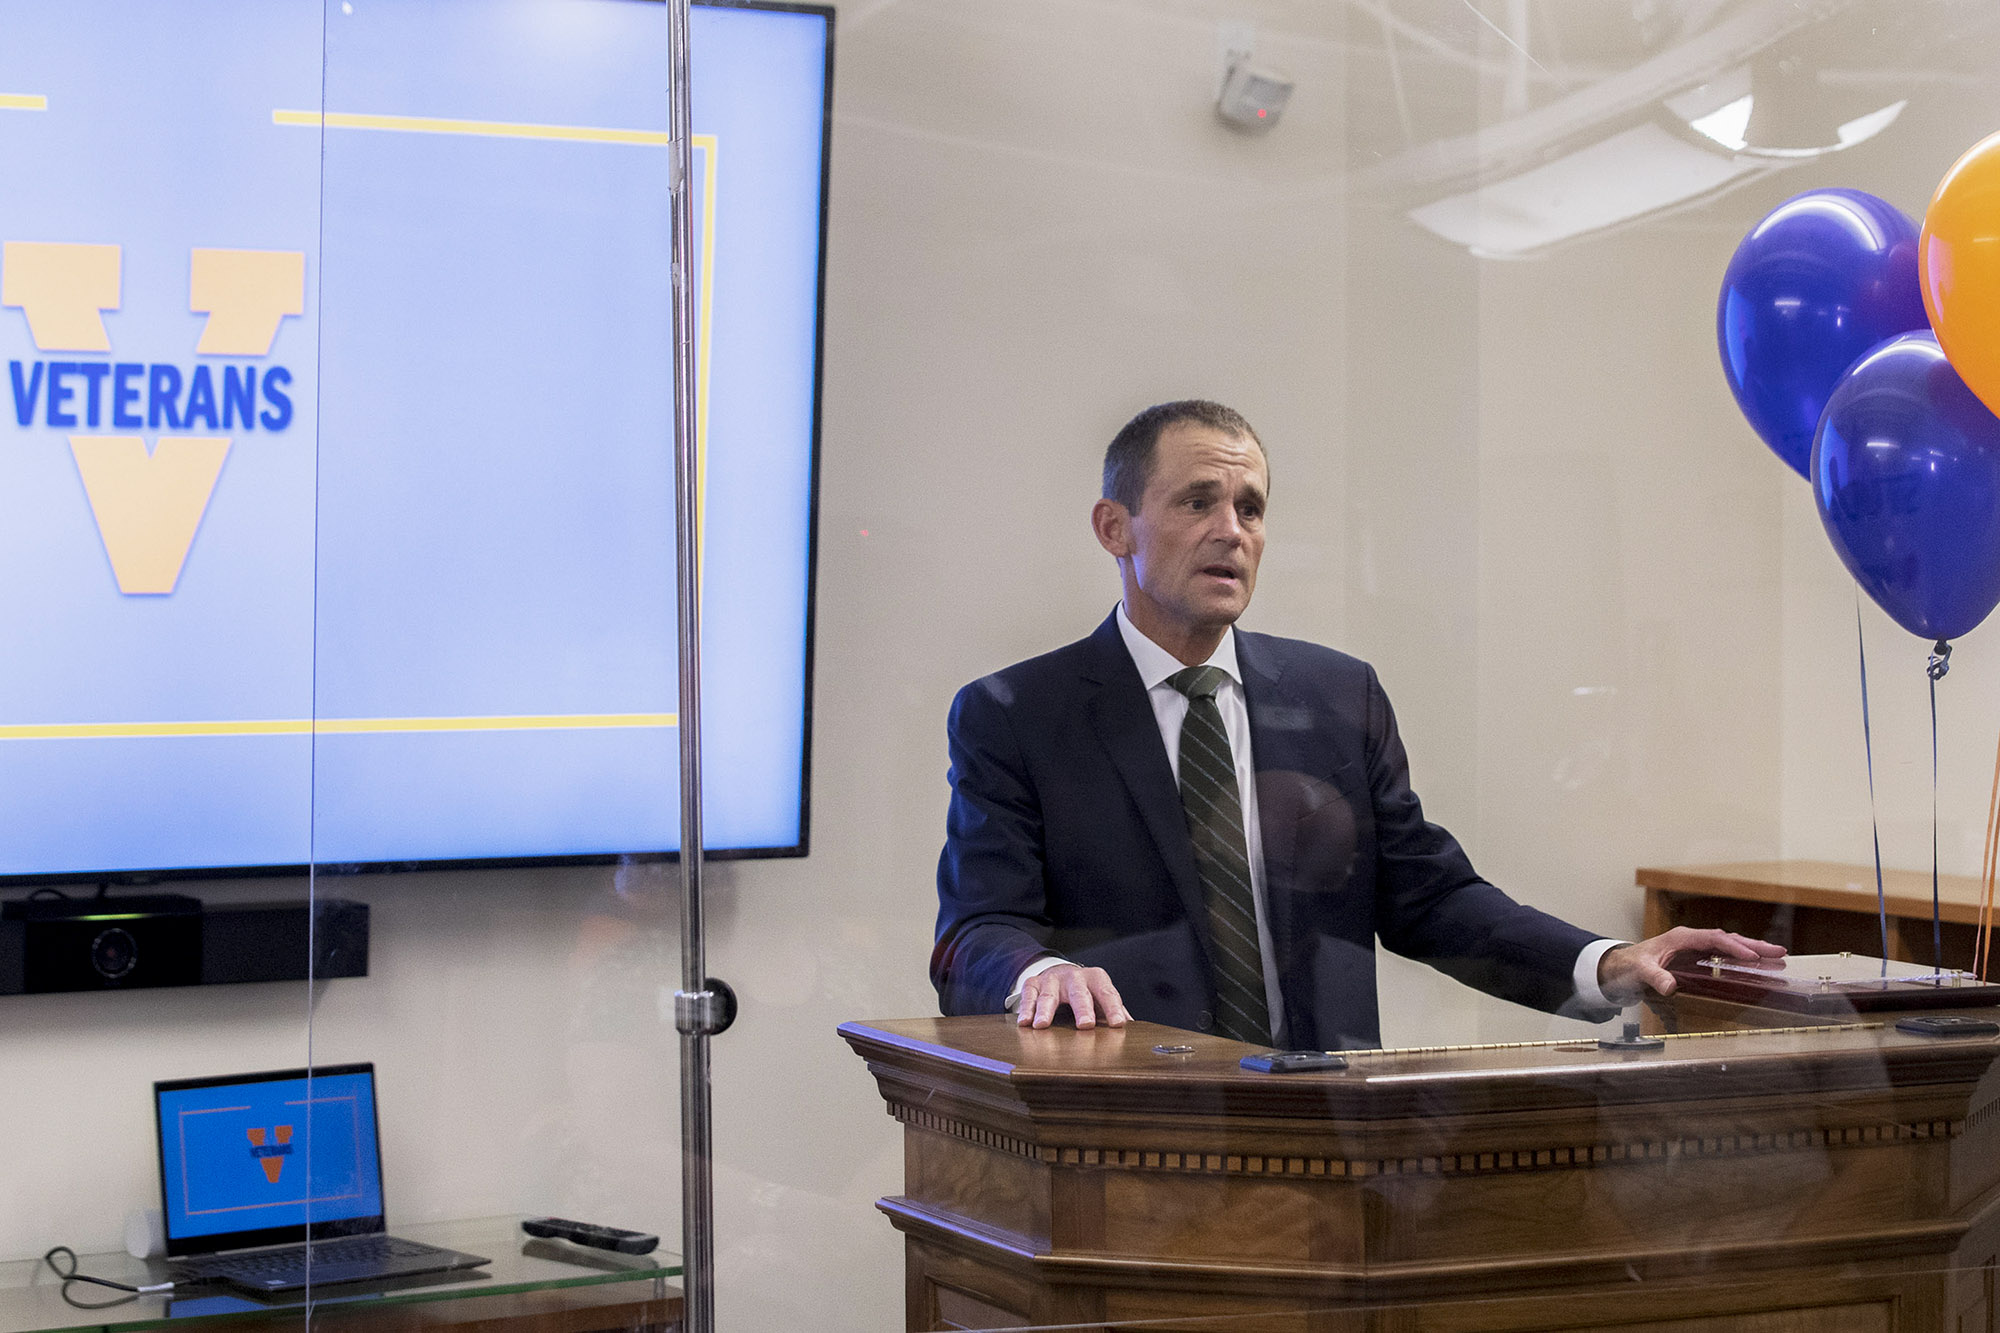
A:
(1868, 744)
(1940, 662)
(1982, 944)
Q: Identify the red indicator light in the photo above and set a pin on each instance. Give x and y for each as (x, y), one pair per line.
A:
(1261, 113)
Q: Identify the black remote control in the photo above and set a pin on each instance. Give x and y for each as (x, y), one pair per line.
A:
(596, 1237)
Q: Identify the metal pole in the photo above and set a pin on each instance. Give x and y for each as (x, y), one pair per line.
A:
(698, 1009)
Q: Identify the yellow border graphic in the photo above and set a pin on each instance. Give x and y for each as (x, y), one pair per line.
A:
(496, 129)
(335, 726)
(23, 102)
(707, 144)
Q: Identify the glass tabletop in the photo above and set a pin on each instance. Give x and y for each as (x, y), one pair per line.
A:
(31, 1298)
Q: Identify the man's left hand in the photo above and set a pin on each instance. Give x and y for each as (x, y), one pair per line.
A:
(1626, 971)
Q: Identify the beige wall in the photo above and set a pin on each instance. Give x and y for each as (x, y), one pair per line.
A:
(1612, 630)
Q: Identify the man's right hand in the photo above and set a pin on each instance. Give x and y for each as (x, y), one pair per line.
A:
(1086, 990)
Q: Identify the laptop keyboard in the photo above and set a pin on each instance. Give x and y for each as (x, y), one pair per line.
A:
(341, 1253)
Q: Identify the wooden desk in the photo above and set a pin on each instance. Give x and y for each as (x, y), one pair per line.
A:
(532, 1286)
(1766, 1182)
(1816, 906)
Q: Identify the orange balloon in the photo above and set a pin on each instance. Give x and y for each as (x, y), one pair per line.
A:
(1958, 262)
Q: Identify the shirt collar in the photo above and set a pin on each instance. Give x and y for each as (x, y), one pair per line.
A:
(1156, 663)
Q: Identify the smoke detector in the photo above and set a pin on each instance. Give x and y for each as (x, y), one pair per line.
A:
(1253, 96)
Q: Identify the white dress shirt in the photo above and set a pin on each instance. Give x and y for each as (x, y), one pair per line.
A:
(1170, 708)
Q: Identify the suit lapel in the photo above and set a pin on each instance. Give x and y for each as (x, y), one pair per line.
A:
(1280, 727)
(1280, 732)
(1123, 719)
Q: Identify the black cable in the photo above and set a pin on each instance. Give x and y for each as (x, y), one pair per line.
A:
(93, 1305)
(69, 1275)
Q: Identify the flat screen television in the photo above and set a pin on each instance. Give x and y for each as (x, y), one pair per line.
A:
(336, 503)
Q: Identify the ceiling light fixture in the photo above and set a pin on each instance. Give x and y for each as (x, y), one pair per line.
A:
(1751, 121)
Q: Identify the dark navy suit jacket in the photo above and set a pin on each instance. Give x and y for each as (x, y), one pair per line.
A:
(1066, 836)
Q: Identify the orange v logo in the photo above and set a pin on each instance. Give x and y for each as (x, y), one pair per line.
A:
(148, 504)
(271, 1156)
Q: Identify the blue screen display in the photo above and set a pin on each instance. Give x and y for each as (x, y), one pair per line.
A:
(252, 1156)
(336, 487)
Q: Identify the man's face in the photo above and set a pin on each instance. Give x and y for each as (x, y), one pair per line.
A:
(1191, 551)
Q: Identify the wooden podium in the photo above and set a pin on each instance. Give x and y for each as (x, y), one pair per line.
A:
(1808, 1178)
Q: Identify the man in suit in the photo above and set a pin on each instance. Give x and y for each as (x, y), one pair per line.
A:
(1180, 822)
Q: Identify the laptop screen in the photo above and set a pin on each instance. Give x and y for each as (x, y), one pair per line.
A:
(255, 1159)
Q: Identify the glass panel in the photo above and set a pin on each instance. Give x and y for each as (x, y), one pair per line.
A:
(1466, 289)
(495, 760)
(155, 733)
(418, 636)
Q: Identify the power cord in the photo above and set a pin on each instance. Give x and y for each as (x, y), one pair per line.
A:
(69, 1275)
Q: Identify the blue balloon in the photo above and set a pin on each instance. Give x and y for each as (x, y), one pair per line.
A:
(1906, 474)
(1825, 277)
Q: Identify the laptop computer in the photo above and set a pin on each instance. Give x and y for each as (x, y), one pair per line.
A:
(272, 1181)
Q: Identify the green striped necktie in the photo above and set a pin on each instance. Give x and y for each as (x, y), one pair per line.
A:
(1215, 821)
